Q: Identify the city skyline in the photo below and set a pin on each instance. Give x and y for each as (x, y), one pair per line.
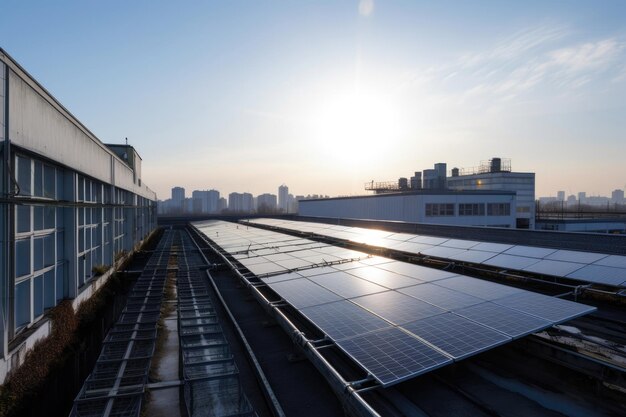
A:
(329, 96)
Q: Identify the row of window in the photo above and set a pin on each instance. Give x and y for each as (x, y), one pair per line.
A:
(468, 209)
(45, 269)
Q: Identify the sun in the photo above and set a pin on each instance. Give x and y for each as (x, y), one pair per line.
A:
(354, 127)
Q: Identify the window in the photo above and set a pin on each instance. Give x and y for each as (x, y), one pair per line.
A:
(22, 257)
(442, 209)
(24, 175)
(22, 303)
(472, 209)
(498, 209)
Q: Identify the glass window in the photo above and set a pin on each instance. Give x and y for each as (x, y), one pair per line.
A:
(60, 245)
(38, 180)
(22, 257)
(49, 299)
(38, 253)
(48, 217)
(38, 295)
(48, 250)
(471, 209)
(498, 209)
(81, 189)
(49, 181)
(23, 218)
(38, 218)
(22, 303)
(439, 209)
(60, 282)
(24, 175)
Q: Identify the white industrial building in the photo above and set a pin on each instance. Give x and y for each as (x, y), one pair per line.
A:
(70, 204)
(466, 208)
(496, 175)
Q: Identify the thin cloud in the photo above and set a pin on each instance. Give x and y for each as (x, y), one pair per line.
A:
(366, 7)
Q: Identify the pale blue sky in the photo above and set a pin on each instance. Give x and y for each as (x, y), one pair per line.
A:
(326, 95)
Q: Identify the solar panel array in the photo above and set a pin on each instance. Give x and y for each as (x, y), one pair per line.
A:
(397, 320)
(589, 267)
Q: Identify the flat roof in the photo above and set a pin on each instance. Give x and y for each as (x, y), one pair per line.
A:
(419, 192)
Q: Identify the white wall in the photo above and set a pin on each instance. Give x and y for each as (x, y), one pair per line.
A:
(407, 208)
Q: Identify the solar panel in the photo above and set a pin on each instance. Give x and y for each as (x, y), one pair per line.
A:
(511, 261)
(392, 356)
(346, 285)
(474, 256)
(442, 252)
(492, 247)
(302, 293)
(416, 271)
(397, 308)
(343, 319)
(601, 274)
(441, 297)
(576, 256)
(556, 268)
(478, 288)
(616, 261)
(508, 321)
(265, 268)
(383, 277)
(548, 308)
(282, 277)
(294, 263)
(429, 240)
(460, 243)
(455, 335)
(530, 251)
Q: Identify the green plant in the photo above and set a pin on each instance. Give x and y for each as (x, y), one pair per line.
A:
(98, 270)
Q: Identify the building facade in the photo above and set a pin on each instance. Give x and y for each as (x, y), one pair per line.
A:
(71, 206)
(496, 178)
(476, 208)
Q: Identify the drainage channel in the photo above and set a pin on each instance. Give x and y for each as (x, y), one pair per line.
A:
(118, 381)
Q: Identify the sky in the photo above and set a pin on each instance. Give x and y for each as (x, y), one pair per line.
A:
(325, 96)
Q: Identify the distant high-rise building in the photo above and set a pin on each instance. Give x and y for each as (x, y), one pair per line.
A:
(617, 197)
(283, 198)
(560, 195)
(582, 197)
(222, 204)
(266, 203)
(178, 197)
(571, 200)
(205, 201)
(240, 202)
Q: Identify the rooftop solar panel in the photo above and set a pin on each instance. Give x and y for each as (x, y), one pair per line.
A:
(392, 356)
(396, 307)
(302, 293)
(576, 256)
(615, 261)
(442, 252)
(556, 268)
(548, 308)
(600, 274)
(478, 287)
(429, 240)
(343, 319)
(416, 271)
(383, 277)
(511, 261)
(441, 297)
(530, 251)
(265, 268)
(492, 247)
(346, 285)
(460, 243)
(508, 321)
(282, 277)
(474, 256)
(455, 335)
